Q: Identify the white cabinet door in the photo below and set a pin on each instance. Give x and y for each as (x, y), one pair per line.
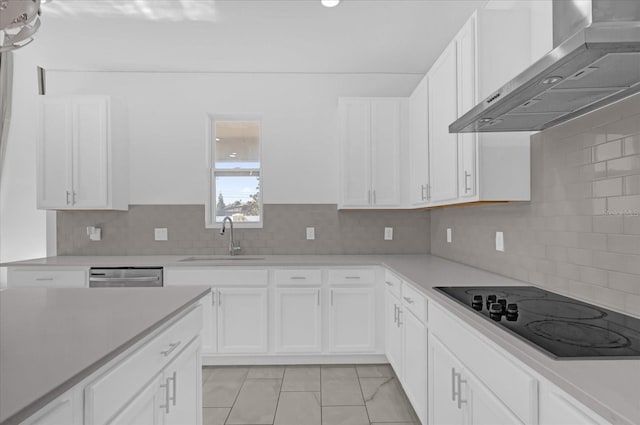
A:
(419, 144)
(242, 320)
(445, 406)
(298, 318)
(183, 383)
(90, 151)
(393, 333)
(352, 319)
(356, 152)
(466, 52)
(443, 110)
(147, 407)
(58, 412)
(385, 152)
(54, 154)
(558, 409)
(484, 408)
(415, 363)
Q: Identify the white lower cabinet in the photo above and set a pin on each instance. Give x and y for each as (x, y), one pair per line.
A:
(445, 405)
(242, 320)
(183, 379)
(415, 357)
(60, 411)
(298, 318)
(352, 319)
(558, 408)
(483, 407)
(393, 332)
(146, 407)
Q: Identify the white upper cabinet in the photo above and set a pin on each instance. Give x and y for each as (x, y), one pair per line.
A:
(82, 154)
(443, 109)
(371, 133)
(419, 144)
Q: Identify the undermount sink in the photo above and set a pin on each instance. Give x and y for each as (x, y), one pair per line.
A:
(222, 258)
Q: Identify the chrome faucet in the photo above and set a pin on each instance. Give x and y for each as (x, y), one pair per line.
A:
(233, 248)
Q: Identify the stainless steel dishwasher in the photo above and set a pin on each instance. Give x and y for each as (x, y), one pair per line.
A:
(125, 277)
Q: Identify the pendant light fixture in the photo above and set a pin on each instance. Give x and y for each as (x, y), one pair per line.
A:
(19, 21)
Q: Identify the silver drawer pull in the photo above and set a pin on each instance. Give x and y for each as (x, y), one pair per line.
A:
(352, 277)
(172, 347)
(166, 404)
(43, 278)
(409, 300)
(174, 379)
(388, 283)
(298, 278)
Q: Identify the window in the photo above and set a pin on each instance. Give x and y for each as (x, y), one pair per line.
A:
(235, 172)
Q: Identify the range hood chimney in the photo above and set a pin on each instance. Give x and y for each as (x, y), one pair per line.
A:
(595, 61)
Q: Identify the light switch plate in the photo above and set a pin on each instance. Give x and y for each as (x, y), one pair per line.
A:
(311, 233)
(161, 234)
(500, 241)
(388, 233)
(448, 234)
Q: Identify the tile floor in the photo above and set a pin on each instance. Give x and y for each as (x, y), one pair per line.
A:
(304, 395)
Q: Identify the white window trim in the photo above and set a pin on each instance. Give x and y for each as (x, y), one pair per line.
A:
(209, 206)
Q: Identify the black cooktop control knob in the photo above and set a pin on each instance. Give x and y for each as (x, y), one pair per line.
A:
(490, 300)
(503, 303)
(495, 311)
(477, 302)
(512, 312)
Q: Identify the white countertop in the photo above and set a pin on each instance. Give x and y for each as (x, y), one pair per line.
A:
(51, 339)
(611, 388)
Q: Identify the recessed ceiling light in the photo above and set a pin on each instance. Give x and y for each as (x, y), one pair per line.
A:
(330, 3)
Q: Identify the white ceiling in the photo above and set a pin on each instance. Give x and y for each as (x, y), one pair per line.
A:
(358, 36)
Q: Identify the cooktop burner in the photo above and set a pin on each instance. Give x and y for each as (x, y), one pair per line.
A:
(562, 327)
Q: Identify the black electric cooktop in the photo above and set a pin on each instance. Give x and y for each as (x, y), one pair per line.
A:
(561, 327)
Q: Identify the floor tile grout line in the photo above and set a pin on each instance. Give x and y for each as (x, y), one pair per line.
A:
(235, 400)
(275, 412)
(364, 400)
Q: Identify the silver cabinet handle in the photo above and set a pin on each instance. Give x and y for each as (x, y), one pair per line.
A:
(175, 387)
(219, 298)
(73, 197)
(68, 195)
(467, 177)
(409, 300)
(453, 384)
(374, 197)
(422, 192)
(399, 313)
(352, 277)
(43, 278)
(395, 313)
(457, 378)
(213, 299)
(428, 191)
(318, 298)
(388, 283)
(166, 404)
(172, 347)
(298, 278)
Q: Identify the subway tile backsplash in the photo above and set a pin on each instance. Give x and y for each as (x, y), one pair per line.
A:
(337, 232)
(580, 234)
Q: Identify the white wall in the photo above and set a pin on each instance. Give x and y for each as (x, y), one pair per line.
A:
(22, 227)
(167, 126)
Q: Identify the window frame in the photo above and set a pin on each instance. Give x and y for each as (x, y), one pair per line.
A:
(210, 204)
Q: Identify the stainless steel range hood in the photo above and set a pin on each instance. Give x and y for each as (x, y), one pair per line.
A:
(595, 61)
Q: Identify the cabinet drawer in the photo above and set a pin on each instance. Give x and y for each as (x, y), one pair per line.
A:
(392, 282)
(509, 382)
(109, 394)
(415, 302)
(58, 278)
(215, 277)
(349, 276)
(298, 277)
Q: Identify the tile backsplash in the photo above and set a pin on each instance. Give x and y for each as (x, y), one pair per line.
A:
(580, 234)
(337, 232)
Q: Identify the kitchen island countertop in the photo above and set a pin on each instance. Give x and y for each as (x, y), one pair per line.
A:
(51, 339)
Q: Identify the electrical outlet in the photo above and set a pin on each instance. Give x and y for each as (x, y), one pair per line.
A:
(448, 234)
(161, 234)
(311, 233)
(388, 233)
(500, 241)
